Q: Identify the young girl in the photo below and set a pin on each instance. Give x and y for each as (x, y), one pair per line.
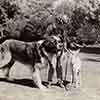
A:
(74, 62)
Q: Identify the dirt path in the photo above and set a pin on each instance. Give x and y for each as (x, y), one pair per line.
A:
(22, 88)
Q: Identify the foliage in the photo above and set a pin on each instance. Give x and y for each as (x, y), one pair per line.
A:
(85, 21)
(30, 20)
(8, 10)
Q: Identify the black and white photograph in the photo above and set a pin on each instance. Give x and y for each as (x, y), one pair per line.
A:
(49, 49)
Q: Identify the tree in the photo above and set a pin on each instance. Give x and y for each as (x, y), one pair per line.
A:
(8, 10)
(85, 21)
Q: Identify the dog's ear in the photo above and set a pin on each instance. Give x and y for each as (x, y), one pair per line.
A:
(78, 50)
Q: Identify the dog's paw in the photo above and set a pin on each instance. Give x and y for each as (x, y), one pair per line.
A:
(9, 79)
(42, 87)
(49, 84)
(60, 84)
(76, 85)
(68, 86)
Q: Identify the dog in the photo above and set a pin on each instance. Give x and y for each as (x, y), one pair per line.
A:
(32, 54)
(75, 64)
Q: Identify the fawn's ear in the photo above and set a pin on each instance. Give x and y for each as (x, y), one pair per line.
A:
(78, 51)
(73, 51)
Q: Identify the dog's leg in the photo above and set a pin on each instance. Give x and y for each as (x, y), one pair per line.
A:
(75, 80)
(77, 75)
(78, 78)
(36, 78)
(6, 68)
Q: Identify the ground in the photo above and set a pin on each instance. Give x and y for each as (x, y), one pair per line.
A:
(22, 88)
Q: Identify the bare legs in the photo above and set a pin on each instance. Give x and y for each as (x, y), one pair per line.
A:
(58, 72)
(50, 73)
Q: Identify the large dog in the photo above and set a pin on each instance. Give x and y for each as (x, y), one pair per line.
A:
(30, 53)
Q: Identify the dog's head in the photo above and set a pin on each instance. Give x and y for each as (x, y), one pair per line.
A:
(58, 42)
(52, 44)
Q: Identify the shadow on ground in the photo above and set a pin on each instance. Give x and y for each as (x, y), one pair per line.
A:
(92, 59)
(91, 50)
(30, 83)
